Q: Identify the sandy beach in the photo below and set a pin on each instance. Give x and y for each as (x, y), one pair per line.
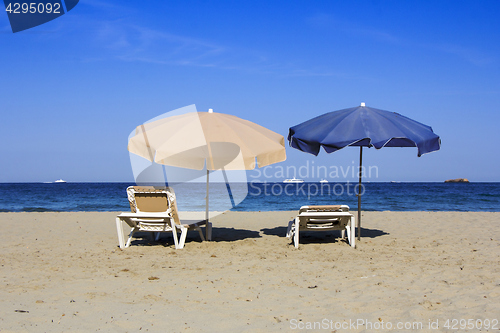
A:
(413, 270)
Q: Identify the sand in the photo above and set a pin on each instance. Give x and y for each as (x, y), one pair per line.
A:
(65, 272)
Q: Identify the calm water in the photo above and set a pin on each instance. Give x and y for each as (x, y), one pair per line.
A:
(42, 197)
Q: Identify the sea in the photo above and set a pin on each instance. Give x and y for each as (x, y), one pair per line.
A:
(102, 197)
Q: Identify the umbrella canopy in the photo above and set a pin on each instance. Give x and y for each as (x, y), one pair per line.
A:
(364, 127)
(216, 141)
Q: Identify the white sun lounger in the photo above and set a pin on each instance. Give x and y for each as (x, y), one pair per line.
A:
(155, 210)
(323, 218)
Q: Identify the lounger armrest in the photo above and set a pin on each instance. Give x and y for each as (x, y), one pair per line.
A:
(187, 223)
(146, 214)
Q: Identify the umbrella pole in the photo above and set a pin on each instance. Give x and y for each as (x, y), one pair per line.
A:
(206, 208)
(228, 187)
(359, 190)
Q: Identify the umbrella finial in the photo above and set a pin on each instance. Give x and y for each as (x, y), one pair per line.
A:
(363, 104)
(210, 110)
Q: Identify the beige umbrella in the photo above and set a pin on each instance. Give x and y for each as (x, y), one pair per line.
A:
(213, 140)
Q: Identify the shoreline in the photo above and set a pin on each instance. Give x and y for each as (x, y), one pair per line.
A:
(66, 270)
(250, 211)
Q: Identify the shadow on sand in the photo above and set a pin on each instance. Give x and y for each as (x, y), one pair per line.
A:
(276, 231)
(231, 234)
(218, 235)
(371, 233)
(331, 236)
(365, 232)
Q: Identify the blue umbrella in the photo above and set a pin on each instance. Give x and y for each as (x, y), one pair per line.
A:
(362, 126)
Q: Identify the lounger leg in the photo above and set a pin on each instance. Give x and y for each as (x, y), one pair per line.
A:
(119, 230)
(183, 237)
(352, 240)
(296, 233)
(174, 233)
(289, 229)
(132, 232)
(201, 234)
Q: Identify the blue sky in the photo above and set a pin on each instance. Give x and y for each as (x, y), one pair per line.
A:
(72, 90)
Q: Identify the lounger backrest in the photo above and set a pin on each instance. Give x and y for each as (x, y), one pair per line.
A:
(342, 221)
(173, 205)
(328, 208)
(153, 199)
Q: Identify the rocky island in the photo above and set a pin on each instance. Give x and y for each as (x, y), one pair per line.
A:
(458, 180)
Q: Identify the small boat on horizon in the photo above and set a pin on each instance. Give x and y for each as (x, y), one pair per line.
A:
(60, 181)
(323, 181)
(293, 180)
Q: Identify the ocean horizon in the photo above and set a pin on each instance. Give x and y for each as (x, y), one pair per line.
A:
(255, 196)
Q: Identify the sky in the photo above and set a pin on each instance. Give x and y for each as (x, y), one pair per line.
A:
(73, 89)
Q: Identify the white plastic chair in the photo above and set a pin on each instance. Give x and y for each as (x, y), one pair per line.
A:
(323, 218)
(155, 210)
